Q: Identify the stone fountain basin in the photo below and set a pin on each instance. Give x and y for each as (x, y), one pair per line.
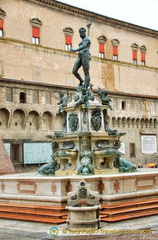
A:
(87, 208)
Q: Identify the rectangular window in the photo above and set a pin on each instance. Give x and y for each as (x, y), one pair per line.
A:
(35, 35)
(115, 57)
(132, 150)
(101, 47)
(115, 53)
(143, 58)
(68, 40)
(16, 153)
(101, 50)
(134, 61)
(35, 40)
(22, 97)
(134, 54)
(101, 55)
(1, 27)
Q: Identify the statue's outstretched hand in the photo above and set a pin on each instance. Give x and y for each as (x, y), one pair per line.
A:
(72, 50)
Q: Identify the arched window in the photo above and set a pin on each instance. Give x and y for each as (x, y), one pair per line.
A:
(22, 97)
(36, 24)
(123, 105)
(102, 41)
(68, 38)
(115, 44)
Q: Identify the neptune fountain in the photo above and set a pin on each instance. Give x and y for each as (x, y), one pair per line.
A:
(86, 145)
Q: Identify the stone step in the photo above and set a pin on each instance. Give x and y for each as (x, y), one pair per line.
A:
(131, 203)
(57, 214)
(129, 209)
(36, 213)
(126, 216)
(32, 206)
(26, 217)
(65, 217)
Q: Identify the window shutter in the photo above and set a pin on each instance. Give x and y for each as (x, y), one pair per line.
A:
(1, 24)
(35, 32)
(101, 47)
(115, 50)
(68, 39)
(143, 56)
(134, 55)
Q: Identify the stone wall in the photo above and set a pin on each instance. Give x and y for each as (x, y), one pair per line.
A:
(49, 62)
(32, 120)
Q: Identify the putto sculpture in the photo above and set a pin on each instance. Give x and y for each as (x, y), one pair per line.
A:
(104, 98)
(63, 101)
(83, 97)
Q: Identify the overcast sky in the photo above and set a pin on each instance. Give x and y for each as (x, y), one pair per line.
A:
(140, 12)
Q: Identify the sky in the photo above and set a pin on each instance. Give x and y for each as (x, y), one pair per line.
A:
(139, 12)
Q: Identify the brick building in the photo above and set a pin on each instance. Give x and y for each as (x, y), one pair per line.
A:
(36, 64)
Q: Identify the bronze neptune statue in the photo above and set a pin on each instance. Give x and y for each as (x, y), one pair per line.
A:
(84, 57)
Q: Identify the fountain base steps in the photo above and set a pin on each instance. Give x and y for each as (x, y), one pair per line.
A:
(33, 213)
(31, 197)
(114, 212)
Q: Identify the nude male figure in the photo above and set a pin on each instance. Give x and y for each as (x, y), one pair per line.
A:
(84, 58)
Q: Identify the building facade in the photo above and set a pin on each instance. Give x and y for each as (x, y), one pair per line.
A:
(36, 64)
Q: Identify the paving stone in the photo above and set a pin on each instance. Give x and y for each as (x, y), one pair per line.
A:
(18, 230)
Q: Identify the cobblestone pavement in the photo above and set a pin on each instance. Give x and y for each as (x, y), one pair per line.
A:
(136, 229)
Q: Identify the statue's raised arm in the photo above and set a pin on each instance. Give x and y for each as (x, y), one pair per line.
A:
(89, 23)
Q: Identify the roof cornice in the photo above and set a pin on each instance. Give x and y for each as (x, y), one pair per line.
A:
(97, 17)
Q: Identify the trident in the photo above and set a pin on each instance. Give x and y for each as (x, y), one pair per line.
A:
(89, 22)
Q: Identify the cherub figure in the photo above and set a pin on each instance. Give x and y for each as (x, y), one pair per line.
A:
(105, 99)
(63, 101)
(86, 95)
